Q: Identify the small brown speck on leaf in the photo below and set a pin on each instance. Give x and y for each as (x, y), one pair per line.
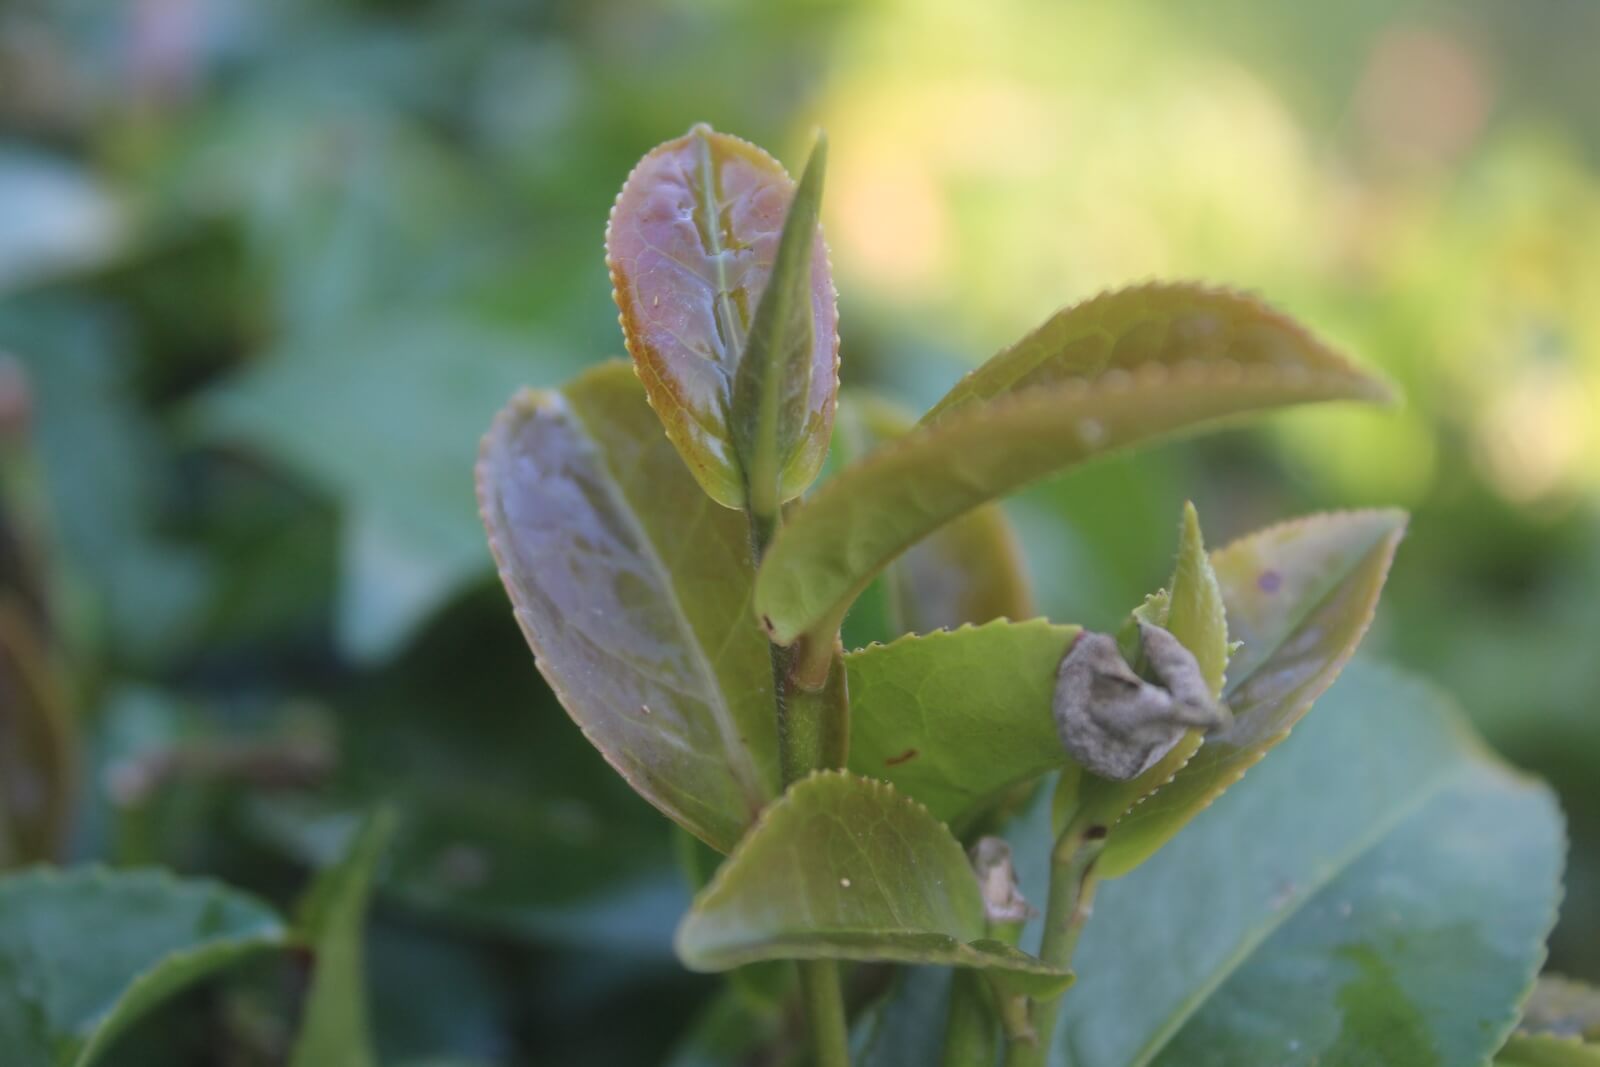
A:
(908, 754)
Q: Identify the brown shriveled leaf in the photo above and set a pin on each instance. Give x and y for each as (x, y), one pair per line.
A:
(633, 590)
(1299, 598)
(1191, 356)
(691, 244)
(1193, 609)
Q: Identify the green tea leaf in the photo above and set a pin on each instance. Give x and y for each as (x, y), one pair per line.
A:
(969, 571)
(1376, 892)
(972, 452)
(333, 922)
(1193, 610)
(1196, 615)
(772, 423)
(954, 718)
(691, 245)
(844, 867)
(381, 416)
(1173, 325)
(86, 952)
(633, 591)
(1299, 598)
(1545, 1051)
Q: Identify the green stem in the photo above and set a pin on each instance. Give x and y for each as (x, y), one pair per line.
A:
(969, 1037)
(813, 707)
(824, 1000)
(1072, 886)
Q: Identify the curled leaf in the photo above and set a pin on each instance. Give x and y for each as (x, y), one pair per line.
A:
(691, 246)
(1299, 597)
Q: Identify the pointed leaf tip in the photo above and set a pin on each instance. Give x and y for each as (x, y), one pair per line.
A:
(1121, 370)
(772, 425)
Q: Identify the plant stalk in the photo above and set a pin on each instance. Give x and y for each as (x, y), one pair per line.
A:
(1073, 882)
(813, 734)
(969, 1032)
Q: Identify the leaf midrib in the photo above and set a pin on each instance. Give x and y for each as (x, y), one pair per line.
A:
(1277, 919)
(741, 760)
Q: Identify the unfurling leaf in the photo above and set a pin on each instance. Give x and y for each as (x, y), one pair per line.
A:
(633, 590)
(87, 952)
(1193, 356)
(772, 419)
(843, 867)
(1193, 611)
(691, 245)
(969, 571)
(1299, 598)
(333, 923)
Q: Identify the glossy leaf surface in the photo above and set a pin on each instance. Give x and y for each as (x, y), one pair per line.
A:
(86, 952)
(1299, 597)
(335, 1028)
(973, 452)
(1377, 892)
(691, 245)
(969, 571)
(953, 718)
(633, 591)
(844, 867)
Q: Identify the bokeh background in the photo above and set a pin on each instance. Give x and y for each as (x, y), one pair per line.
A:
(267, 270)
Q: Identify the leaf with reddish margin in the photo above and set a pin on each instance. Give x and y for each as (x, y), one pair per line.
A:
(691, 245)
(633, 590)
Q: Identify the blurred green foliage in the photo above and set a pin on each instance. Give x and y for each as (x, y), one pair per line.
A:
(268, 270)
